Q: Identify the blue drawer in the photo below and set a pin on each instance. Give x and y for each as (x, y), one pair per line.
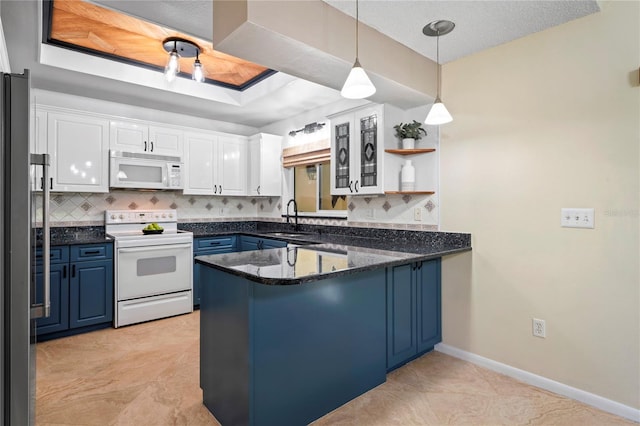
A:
(208, 243)
(92, 252)
(58, 254)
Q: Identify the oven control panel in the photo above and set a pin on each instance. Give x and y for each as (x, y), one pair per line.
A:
(139, 216)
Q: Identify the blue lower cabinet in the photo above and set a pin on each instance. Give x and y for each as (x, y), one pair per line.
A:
(81, 278)
(91, 293)
(248, 243)
(413, 311)
(288, 354)
(204, 246)
(58, 319)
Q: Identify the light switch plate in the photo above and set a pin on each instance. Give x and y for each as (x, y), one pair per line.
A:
(577, 218)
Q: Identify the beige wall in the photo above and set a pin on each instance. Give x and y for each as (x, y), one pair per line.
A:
(548, 121)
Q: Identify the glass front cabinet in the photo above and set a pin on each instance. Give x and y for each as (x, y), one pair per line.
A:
(357, 150)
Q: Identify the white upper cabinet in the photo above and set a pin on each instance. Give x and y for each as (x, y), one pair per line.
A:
(358, 139)
(78, 145)
(215, 164)
(357, 152)
(141, 137)
(199, 151)
(231, 165)
(265, 165)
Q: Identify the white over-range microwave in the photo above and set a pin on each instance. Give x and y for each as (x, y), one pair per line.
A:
(137, 170)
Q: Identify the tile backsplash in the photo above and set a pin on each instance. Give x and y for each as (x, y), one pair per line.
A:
(75, 209)
(390, 211)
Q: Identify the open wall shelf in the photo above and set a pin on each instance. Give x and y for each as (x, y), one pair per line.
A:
(409, 151)
(410, 192)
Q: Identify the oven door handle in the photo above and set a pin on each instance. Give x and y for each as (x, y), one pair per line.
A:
(154, 248)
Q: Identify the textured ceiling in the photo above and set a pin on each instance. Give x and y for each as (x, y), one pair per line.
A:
(480, 24)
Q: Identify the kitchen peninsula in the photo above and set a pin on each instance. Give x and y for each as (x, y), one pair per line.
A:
(289, 334)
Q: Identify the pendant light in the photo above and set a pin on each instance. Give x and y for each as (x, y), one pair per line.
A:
(182, 48)
(438, 113)
(173, 64)
(358, 85)
(198, 71)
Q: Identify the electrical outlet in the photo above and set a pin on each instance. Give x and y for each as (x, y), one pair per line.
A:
(577, 218)
(417, 214)
(369, 213)
(539, 328)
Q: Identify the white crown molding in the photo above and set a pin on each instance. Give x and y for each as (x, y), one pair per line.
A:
(588, 398)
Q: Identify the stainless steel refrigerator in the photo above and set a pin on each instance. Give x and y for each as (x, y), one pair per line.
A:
(19, 213)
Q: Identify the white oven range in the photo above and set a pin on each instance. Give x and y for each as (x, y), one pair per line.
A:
(153, 272)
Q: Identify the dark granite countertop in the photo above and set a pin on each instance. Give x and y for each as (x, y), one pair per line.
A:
(75, 235)
(329, 255)
(301, 264)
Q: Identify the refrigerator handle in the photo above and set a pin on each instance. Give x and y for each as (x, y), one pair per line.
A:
(44, 310)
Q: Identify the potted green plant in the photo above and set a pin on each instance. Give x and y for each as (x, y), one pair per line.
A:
(409, 133)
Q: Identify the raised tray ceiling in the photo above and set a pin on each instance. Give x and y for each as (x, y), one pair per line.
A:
(95, 30)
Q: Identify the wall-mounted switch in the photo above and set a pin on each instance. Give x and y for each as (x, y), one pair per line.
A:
(577, 218)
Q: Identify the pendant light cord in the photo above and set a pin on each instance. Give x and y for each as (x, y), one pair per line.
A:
(357, 20)
(438, 61)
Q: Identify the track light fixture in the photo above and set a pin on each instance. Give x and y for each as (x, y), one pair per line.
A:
(181, 48)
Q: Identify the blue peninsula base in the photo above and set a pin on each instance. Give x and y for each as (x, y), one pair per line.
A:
(288, 354)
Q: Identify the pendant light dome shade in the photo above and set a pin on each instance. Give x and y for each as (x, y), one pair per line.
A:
(358, 85)
(438, 114)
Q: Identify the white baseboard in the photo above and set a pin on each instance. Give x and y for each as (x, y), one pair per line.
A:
(544, 383)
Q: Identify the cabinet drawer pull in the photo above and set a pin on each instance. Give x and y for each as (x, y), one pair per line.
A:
(221, 189)
(151, 143)
(51, 255)
(356, 186)
(92, 252)
(214, 243)
(64, 271)
(73, 271)
(145, 145)
(350, 188)
(258, 189)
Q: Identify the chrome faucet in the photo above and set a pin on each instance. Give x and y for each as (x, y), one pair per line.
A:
(295, 211)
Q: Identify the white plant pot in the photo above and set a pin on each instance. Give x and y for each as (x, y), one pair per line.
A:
(408, 143)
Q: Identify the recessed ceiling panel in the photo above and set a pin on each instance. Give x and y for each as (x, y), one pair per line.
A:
(78, 25)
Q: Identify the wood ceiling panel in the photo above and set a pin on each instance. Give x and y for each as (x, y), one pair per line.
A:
(113, 34)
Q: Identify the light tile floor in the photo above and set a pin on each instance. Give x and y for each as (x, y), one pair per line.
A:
(147, 374)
